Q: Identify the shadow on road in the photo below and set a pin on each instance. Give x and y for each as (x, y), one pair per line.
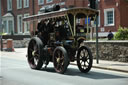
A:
(92, 74)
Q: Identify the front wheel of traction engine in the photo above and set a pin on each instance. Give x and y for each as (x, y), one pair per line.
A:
(84, 59)
(60, 60)
(35, 53)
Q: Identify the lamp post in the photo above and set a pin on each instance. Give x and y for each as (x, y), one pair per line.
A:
(1, 27)
(97, 51)
(33, 13)
(94, 5)
(0, 17)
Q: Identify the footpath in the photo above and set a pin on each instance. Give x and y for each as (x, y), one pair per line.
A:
(103, 64)
(110, 65)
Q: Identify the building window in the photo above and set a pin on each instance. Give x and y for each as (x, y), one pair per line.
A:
(26, 24)
(8, 21)
(10, 26)
(26, 3)
(5, 26)
(19, 4)
(109, 17)
(9, 5)
(19, 23)
(40, 2)
(49, 1)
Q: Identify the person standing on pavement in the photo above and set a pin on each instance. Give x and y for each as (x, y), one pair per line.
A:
(110, 35)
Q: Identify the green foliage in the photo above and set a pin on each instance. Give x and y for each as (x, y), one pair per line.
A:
(121, 34)
(0, 33)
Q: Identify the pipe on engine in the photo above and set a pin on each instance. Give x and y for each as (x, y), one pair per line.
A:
(50, 8)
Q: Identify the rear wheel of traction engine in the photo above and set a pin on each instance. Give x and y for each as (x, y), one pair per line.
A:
(84, 59)
(34, 53)
(60, 60)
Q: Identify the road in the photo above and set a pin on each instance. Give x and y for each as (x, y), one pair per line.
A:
(16, 71)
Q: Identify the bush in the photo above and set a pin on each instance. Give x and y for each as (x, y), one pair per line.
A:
(121, 34)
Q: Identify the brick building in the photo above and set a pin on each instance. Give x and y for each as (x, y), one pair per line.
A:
(112, 13)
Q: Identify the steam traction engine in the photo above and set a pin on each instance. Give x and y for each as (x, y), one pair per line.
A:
(59, 39)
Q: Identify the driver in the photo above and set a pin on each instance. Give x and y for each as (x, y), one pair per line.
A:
(43, 32)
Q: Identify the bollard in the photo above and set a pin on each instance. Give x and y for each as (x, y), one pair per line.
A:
(10, 45)
(4, 44)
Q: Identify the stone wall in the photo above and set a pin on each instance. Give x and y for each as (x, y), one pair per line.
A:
(15, 43)
(21, 43)
(110, 50)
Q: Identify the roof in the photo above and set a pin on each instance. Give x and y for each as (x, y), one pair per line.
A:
(8, 15)
(60, 13)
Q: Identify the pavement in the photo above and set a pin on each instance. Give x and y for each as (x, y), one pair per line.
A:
(103, 64)
(110, 65)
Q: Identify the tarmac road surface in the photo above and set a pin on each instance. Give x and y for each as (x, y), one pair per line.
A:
(16, 71)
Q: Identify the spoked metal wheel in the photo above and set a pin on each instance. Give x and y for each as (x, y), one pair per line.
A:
(60, 60)
(34, 53)
(84, 59)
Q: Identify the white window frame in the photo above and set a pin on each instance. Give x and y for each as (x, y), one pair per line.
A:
(6, 30)
(20, 29)
(26, 3)
(11, 30)
(105, 17)
(25, 24)
(19, 6)
(39, 2)
(47, 1)
(5, 27)
(9, 6)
